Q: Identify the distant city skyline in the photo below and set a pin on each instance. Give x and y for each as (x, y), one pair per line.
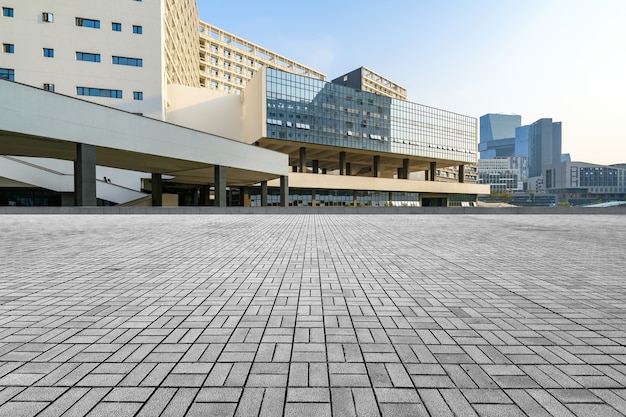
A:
(539, 59)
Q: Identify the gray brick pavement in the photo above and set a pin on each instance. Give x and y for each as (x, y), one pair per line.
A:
(296, 315)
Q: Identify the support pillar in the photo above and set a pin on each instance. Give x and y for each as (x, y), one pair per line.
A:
(376, 167)
(244, 193)
(355, 201)
(205, 193)
(433, 170)
(284, 191)
(316, 166)
(157, 190)
(324, 171)
(263, 193)
(426, 175)
(390, 199)
(294, 168)
(342, 163)
(405, 168)
(85, 175)
(348, 168)
(220, 185)
(313, 201)
(461, 173)
(302, 165)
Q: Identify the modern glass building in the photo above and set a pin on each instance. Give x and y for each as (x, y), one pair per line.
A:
(307, 110)
(544, 146)
(497, 133)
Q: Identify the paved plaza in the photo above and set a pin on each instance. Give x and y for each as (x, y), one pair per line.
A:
(312, 315)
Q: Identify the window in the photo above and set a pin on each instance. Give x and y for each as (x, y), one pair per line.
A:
(133, 62)
(8, 48)
(84, 56)
(137, 95)
(7, 74)
(47, 17)
(88, 23)
(213, 84)
(49, 87)
(7, 11)
(48, 52)
(98, 92)
(138, 30)
(116, 27)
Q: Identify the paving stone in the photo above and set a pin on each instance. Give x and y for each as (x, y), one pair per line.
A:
(306, 314)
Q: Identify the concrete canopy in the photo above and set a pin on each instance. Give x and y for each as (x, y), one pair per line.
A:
(37, 123)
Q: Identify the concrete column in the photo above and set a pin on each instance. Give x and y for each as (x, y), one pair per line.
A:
(348, 168)
(220, 185)
(244, 193)
(284, 191)
(405, 168)
(157, 190)
(205, 195)
(355, 201)
(316, 166)
(342, 163)
(302, 159)
(263, 193)
(461, 173)
(433, 170)
(390, 198)
(313, 202)
(85, 175)
(324, 171)
(376, 167)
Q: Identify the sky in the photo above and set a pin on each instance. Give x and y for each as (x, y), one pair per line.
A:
(559, 59)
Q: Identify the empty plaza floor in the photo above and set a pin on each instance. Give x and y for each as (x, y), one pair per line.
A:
(312, 315)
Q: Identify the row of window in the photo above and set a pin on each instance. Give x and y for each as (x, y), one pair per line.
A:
(9, 74)
(115, 26)
(9, 48)
(9, 12)
(105, 92)
(80, 21)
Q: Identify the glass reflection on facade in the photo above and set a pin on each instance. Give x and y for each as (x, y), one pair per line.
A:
(336, 198)
(307, 110)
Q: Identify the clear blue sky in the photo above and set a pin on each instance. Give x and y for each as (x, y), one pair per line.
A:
(564, 59)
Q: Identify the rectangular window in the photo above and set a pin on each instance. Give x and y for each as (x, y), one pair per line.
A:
(116, 27)
(47, 17)
(8, 48)
(84, 56)
(49, 87)
(98, 92)
(7, 74)
(138, 30)
(133, 62)
(48, 52)
(137, 95)
(7, 11)
(88, 23)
